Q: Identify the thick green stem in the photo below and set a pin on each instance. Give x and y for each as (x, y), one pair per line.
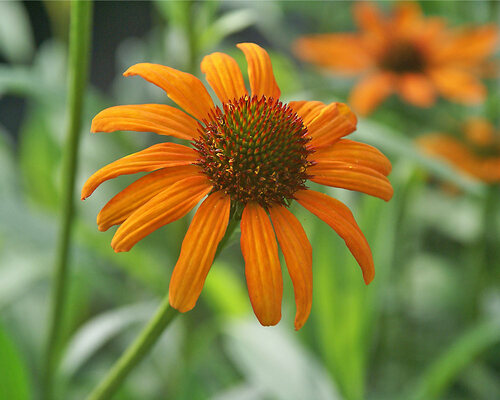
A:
(80, 32)
(146, 339)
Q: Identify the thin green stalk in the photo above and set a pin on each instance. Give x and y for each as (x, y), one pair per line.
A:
(79, 45)
(145, 341)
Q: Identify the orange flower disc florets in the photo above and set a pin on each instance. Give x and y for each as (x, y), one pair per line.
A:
(255, 149)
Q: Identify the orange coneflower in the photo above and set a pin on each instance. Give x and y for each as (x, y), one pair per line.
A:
(407, 54)
(477, 154)
(252, 156)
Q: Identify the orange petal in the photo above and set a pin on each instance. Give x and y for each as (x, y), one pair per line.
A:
(120, 207)
(417, 89)
(298, 256)
(183, 88)
(307, 110)
(341, 52)
(349, 151)
(469, 47)
(351, 176)
(198, 250)
(479, 131)
(260, 71)
(333, 122)
(167, 206)
(408, 19)
(155, 157)
(340, 218)
(458, 85)
(370, 92)
(262, 265)
(157, 118)
(368, 17)
(224, 76)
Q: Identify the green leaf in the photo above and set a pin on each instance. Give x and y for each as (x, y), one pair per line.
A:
(14, 384)
(16, 37)
(445, 369)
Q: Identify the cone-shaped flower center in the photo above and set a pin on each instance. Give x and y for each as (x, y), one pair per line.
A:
(403, 57)
(255, 149)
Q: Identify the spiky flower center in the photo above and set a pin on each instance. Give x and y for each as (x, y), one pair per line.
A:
(403, 56)
(254, 149)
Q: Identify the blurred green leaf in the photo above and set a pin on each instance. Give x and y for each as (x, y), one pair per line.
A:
(445, 369)
(94, 334)
(16, 37)
(225, 291)
(274, 362)
(14, 384)
(228, 24)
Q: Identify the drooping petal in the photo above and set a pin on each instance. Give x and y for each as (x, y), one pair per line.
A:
(260, 71)
(198, 250)
(224, 76)
(157, 118)
(349, 151)
(341, 52)
(183, 88)
(298, 256)
(458, 85)
(371, 91)
(121, 206)
(341, 220)
(332, 122)
(262, 266)
(167, 206)
(351, 176)
(155, 157)
(417, 89)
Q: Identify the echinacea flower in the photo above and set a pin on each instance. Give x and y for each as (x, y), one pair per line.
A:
(252, 156)
(407, 54)
(477, 153)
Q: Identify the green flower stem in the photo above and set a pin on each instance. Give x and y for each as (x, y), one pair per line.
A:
(146, 339)
(79, 44)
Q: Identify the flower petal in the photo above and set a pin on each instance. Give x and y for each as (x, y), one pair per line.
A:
(332, 122)
(120, 207)
(458, 85)
(370, 92)
(183, 88)
(157, 118)
(224, 76)
(262, 266)
(351, 176)
(167, 206)
(340, 219)
(155, 157)
(260, 71)
(417, 89)
(198, 250)
(349, 151)
(307, 110)
(342, 52)
(298, 256)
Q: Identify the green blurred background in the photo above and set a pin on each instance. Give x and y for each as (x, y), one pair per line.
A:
(427, 328)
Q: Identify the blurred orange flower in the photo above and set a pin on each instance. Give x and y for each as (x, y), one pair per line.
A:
(252, 156)
(477, 155)
(405, 53)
